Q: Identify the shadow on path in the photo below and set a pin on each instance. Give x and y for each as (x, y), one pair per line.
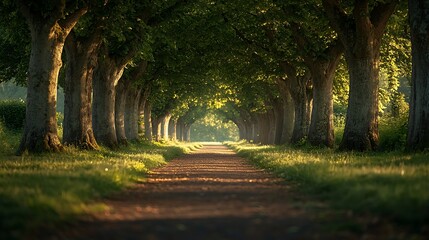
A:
(209, 194)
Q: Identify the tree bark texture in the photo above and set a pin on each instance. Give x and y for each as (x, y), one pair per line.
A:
(148, 121)
(48, 35)
(165, 124)
(81, 60)
(132, 113)
(418, 122)
(361, 33)
(302, 102)
(322, 69)
(122, 90)
(106, 77)
(288, 111)
(172, 129)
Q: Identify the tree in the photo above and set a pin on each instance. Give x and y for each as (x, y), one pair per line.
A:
(418, 127)
(49, 25)
(361, 32)
(81, 48)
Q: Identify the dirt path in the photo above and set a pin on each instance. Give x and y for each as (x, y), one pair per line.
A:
(209, 194)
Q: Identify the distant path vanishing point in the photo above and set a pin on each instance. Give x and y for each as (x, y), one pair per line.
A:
(209, 194)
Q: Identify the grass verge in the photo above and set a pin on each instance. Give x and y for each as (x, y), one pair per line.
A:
(43, 190)
(391, 186)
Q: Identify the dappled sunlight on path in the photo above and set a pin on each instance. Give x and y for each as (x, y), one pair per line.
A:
(209, 194)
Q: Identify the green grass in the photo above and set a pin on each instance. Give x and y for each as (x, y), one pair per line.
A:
(389, 185)
(45, 189)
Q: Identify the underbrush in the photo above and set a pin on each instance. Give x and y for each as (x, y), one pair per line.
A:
(385, 185)
(42, 190)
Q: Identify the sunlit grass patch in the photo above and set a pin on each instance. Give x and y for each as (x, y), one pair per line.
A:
(390, 185)
(40, 190)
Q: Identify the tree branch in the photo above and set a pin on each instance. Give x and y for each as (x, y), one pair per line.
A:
(380, 16)
(243, 37)
(301, 42)
(337, 17)
(70, 21)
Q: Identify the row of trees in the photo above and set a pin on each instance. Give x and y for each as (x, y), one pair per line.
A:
(269, 66)
(301, 44)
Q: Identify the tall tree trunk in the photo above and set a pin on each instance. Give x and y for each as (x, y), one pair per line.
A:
(288, 111)
(271, 126)
(279, 121)
(179, 130)
(122, 90)
(81, 60)
(142, 103)
(165, 125)
(148, 121)
(418, 123)
(302, 103)
(132, 113)
(172, 129)
(48, 35)
(106, 77)
(156, 128)
(361, 33)
(187, 133)
(322, 68)
(264, 127)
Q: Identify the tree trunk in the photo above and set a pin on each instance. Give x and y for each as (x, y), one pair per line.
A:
(279, 121)
(288, 113)
(142, 103)
(179, 130)
(272, 126)
(172, 129)
(40, 129)
(165, 125)
(321, 130)
(156, 128)
(361, 130)
(302, 103)
(132, 113)
(264, 128)
(81, 61)
(48, 35)
(418, 127)
(187, 133)
(361, 32)
(106, 77)
(122, 90)
(148, 121)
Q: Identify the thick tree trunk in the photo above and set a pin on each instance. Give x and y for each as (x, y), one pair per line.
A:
(156, 128)
(179, 130)
(48, 35)
(186, 131)
(106, 77)
(361, 130)
(361, 32)
(148, 121)
(122, 90)
(256, 138)
(264, 128)
(81, 61)
(172, 129)
(143, 99)
(288, 116)
(165, 124)
(321, 130)
(418, 122)
(40, 129)
(132, 113)
(279, 119)
(272, 126)
(302, 102)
